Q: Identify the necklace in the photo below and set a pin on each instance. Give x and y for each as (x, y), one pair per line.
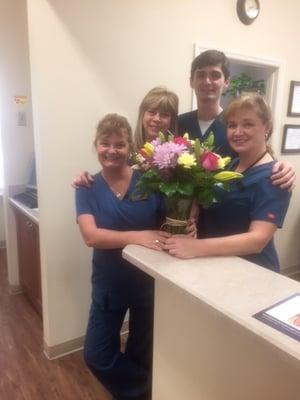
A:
(255, 162)
(120, 187)
(118, 194)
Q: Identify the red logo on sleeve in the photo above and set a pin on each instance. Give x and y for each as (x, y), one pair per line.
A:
(271, 216)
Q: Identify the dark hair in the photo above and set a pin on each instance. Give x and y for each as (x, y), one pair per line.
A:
(211, 57)
(113, 123)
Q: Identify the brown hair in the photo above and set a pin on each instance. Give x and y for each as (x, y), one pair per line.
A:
(113, 123)
(211, 57)
(251, 101)
(158, 98)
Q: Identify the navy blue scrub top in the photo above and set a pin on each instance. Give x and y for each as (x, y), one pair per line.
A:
(254, 198)
(115, 282)
(188, 122)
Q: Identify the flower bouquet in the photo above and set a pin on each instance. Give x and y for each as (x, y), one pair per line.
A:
(182, 170)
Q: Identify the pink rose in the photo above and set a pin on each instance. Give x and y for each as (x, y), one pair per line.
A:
(182, 140)
(210, 161)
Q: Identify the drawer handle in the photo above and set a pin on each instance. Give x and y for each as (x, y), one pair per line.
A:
(29, 225)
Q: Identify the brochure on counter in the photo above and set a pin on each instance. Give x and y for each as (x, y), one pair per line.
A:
(283, 316)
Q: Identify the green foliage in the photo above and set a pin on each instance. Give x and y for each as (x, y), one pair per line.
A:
(190, 180)
(244, 82)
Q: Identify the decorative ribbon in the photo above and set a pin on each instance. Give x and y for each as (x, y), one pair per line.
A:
(173, 222)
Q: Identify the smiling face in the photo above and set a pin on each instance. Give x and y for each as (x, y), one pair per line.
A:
(247, 132)
(209, 83)
(113, 150)
(154, 121)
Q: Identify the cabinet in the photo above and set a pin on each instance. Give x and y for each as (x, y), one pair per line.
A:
(29, 259)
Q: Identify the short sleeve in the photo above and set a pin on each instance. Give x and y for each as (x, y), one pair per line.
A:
(270, 203)
(83, 201)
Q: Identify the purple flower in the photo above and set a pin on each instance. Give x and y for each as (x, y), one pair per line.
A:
(156, 142)
(166, 154)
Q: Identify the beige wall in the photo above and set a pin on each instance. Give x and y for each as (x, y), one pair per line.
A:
(91, 57)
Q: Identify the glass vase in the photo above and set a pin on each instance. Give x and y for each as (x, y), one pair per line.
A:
(178, 212)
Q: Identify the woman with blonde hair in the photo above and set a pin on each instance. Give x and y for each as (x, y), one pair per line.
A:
(157, 112)
(109, 218)
(244, 222)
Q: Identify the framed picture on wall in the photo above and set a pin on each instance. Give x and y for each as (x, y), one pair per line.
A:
(291, 139)
(294, 99)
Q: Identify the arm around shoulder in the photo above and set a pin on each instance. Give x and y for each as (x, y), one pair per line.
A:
(283, 175)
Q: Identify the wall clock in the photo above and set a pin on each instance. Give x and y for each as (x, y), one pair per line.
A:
(247, 10)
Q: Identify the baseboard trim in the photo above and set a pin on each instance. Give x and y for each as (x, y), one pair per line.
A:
(15, 289)
(63, 349)
(290, 271)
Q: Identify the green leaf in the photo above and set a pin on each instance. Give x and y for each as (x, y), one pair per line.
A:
(186, 188)
(209, 142)
(170, 137)
(168, 188)
(198, 150)
(161, 137)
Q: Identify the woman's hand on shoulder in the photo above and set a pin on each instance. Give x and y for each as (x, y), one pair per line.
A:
(83, 179)
(284, 175)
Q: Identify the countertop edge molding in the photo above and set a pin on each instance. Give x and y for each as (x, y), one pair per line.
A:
(33, 214)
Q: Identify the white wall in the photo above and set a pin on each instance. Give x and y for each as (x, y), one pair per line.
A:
(92, 57)
(17, 140)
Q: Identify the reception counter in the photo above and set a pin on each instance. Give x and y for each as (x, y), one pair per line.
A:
(207, 345)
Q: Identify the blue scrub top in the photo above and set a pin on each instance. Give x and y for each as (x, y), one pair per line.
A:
(254, 198)
(188, 122)
(115, 282)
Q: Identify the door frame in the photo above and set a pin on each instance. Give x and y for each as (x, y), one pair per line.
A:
(274, 88)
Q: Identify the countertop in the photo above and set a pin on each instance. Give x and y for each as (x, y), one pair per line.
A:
(231, 285)
(32, 213)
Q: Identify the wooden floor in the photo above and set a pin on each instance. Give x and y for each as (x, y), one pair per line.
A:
(25, 372)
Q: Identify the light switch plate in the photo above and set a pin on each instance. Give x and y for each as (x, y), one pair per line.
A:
(22, 118)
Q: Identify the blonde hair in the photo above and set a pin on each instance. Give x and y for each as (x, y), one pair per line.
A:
(113, 123)
(158, 98)
(254, 102)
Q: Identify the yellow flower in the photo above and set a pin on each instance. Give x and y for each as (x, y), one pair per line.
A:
(186, 160)
(222, 162)
(149, 149)
(227, 176)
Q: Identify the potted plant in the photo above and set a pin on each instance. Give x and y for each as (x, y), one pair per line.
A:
(244, 83)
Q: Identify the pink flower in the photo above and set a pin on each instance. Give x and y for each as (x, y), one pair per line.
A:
(166, 154)
(182, 140)
(211, 161)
